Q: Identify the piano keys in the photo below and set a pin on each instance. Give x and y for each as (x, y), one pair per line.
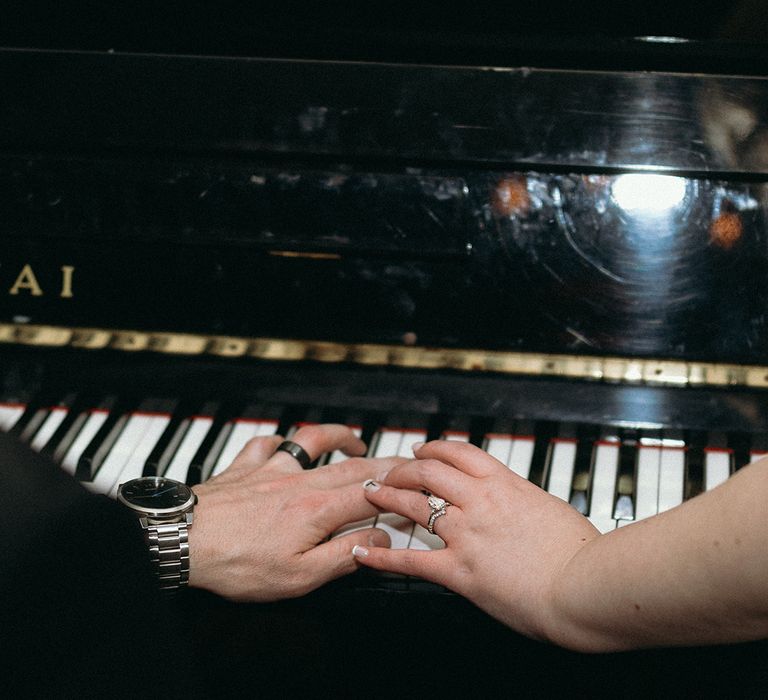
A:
(613, 475)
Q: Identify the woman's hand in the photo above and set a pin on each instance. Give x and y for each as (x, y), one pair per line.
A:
(506, 540)
(261, 526)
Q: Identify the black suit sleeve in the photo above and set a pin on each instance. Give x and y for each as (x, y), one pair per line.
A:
(79, 610)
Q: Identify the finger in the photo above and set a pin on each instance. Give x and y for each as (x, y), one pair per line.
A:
(462, 455)
(330, 510)
(317, 439)
(334, 558)
(413, 505)
(256, 452)
(430, 566)
(351, 471)
(432, 476)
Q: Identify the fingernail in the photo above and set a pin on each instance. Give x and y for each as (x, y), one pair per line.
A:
(382, 476)
(359, 551)
(371, 485)
(417, 446)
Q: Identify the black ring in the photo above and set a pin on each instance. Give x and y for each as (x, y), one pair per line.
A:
(297, 452)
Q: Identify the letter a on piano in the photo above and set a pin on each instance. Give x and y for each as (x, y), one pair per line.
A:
(26, 280)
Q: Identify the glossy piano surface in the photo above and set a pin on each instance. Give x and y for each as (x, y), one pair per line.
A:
(535, 210)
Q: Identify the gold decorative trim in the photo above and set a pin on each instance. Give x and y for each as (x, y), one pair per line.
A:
(607, 369)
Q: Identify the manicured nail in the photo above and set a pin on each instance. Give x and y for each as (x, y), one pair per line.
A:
(382, 476)
(417, 446)
(359, 551)
(371, 485)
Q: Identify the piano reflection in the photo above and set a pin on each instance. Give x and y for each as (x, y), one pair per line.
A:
(566, 268)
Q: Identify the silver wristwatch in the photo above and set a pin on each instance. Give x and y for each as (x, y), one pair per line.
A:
(164, 508)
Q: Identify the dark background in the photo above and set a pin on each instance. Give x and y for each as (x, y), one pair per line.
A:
(552, 33)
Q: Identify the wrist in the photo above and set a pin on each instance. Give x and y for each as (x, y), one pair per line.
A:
(570, 620)
(201, 555)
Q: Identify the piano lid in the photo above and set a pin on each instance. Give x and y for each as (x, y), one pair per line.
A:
(597, 213)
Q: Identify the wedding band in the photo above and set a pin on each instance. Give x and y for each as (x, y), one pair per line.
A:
(438, 506)
(297, 452)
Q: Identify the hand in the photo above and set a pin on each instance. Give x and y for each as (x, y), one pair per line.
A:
(506, 539)
(260, 526)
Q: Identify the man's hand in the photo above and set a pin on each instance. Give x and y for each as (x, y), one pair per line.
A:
(261, 526)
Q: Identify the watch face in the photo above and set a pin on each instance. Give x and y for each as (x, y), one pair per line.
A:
(156, 494)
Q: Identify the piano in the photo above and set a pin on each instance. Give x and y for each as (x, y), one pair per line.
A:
(566, 267)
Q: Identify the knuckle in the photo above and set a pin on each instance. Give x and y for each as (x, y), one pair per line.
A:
(409, 560)
(299, 583)
(310, 502)
(257, 444)
(309, 433)
(424, 468)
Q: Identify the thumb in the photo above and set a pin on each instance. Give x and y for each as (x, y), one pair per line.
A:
(332, 559)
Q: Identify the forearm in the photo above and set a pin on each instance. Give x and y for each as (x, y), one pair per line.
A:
(697, 574)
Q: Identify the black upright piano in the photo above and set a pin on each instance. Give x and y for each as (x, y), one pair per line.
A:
(544, 260)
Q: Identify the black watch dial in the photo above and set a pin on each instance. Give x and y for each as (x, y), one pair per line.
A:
(156, 493)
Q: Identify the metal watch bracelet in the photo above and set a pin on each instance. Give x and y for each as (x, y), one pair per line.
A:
(169, 551)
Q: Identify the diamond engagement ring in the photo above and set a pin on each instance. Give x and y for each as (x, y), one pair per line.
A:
(438, 506)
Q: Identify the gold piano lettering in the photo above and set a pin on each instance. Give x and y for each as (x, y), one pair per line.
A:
(26, 280)
(66, 281)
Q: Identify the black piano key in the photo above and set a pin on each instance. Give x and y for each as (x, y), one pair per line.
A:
(155, 464)
(742, 445)
(582, 469)
(544, 432)
(33, 416)
(97, 449)
(80, 413)
(34, 436)
(214, 441)
(695, 457)
(456, 426)
(624, 500)
(76, 406)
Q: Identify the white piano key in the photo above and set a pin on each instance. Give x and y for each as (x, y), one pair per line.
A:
(10, 414)
(671, 476)
(386, 443)
(110, 469)
(409, 439)
(647, 485)
(521, 456)
(561, 468)
(337, 455)
(755, 455)
(93, 423)
(604, 523)
(134, 467)
(400, 528)
(421, 539)
(243, 429)
(193, 437)
(604, 473)
(717, 467)
(499, 446)
(457, 435)
(51, 424)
